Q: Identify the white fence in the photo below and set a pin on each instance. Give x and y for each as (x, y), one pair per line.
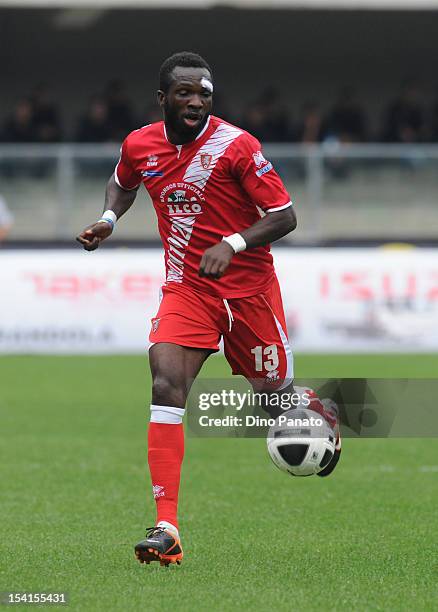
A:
(355, 191)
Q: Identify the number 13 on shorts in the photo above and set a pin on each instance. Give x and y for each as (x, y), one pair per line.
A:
(266, 358)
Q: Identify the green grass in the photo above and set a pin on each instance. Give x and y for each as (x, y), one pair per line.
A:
(76, 497)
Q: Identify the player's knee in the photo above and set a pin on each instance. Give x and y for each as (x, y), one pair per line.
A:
(168, 392)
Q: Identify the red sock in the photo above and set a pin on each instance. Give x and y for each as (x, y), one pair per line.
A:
(165, 456)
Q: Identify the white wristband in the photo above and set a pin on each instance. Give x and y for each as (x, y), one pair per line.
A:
(236, 241)
(108, 217)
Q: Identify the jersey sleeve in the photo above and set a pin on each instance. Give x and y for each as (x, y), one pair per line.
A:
(125, 174)
(258, 177)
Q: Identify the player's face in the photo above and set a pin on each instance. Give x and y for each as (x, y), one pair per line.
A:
(187, 104)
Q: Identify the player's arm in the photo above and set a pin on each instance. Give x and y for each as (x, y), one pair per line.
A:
(265, 188)
(121, 191)
(118, 201)
(270, 228)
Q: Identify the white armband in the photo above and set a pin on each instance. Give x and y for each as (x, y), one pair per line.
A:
(236, 241)
(108, 217)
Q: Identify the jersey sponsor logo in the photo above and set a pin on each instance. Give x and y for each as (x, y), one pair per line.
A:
(259, 159)
(261, 171)
(152, 173)
(177, 196)
(206, 160)
(152, 160)
(182, 199)
(192, 193)
(184, 209)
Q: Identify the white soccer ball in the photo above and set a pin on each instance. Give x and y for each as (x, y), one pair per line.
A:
(301, 442)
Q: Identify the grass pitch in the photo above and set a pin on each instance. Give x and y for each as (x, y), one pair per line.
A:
(76, 498)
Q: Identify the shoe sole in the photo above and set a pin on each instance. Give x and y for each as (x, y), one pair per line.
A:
(151, 554)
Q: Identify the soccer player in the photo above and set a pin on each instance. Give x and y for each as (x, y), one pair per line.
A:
(208, 181)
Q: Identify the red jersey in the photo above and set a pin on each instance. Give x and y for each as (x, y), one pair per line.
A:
(202, 191)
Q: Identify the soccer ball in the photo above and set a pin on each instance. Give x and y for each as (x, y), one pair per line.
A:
(301, 442)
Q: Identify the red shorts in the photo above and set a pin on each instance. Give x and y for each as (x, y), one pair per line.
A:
(253, 330)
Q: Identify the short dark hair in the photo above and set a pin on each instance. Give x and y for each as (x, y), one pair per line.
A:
(186, 59)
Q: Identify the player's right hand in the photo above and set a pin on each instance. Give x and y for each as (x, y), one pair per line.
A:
(93, 235)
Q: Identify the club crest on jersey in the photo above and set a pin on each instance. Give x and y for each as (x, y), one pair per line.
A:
(206, 160)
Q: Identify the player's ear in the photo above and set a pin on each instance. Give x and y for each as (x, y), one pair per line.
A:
(161, 97)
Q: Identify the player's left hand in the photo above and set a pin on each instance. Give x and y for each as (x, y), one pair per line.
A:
(216, 260)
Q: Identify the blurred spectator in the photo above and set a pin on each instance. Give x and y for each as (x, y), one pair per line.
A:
(46, 118)
(311, 127)
(120, 115)
(277, 115)
(267, 118)
(404, 119)
(109, 118)
(346, 121)
(20, 126)
(6, 219)
(95, 125)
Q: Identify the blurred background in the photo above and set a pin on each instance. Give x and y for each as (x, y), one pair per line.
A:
(342, 94)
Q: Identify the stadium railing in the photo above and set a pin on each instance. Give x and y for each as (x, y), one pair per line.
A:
(342, 192)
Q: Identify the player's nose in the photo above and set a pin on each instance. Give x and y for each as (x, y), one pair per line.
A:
(195, 102)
